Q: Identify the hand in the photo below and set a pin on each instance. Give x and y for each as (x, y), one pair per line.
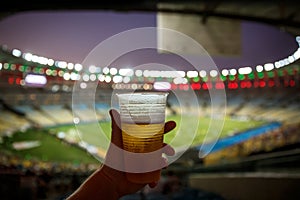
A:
(118, 178)
(110, 183)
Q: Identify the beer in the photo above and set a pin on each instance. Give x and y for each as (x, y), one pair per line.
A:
(142, 123)
(143, 138)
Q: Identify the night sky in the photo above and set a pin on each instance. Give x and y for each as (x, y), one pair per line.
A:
(70, 36)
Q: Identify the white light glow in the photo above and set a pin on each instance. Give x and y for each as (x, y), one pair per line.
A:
(61, 64)
(27, 56)
(297, 54)
(192, 74)
(269, 66)
(232, 72)
(75, 76)
(107, 79)
(225, 72)
(16, 52)
(76, 120)
(181, 73)
(213, 73)
(126, 72)
(126, 79)
(35, 79)
(50, 62)
(113, 71)
(291, 59)
(245, 70)
(67, 76)
(117, 79)
(162, 85)
(85, 77)
(259, 68)
(139, 73)
(93, 77)
(101, 77)
(78, 67)
(70, 66)
(105, 70)
(202, 73)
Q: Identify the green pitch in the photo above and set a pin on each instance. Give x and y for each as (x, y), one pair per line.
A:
(189, 131)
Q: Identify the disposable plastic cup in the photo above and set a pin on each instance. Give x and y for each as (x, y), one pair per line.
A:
(142, 123)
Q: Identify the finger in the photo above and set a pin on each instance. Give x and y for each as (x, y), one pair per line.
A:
(170, 125)
(116, 132)
(168, 150)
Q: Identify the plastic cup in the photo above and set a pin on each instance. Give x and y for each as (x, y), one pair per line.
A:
(142, 123)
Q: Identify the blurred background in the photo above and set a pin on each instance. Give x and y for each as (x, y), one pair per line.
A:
(50, 143)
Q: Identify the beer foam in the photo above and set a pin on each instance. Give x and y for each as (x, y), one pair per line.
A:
(143, 107)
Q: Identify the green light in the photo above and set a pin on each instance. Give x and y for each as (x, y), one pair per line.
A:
(251, 76)
(205, 79)
(270, 74)
(241, 77)
(280, 72)
(260, 75)
(22, 68)
(223, 78)
(231, 77)
(36, 70)
(159, 78)
(196, 79)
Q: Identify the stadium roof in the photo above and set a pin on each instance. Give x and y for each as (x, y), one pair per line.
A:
(283, 14)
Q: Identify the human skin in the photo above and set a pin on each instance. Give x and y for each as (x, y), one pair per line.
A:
(109, 183)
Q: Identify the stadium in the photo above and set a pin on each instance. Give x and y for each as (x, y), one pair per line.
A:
(238, 127)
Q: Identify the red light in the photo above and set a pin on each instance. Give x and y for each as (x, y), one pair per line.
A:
(173, 86)
(233, 85)
(271, 83)
(206, 86)
(249, 84)
(243, 84)
(18, 81)
(219, 85)
(196, 86)
(183, 86)
(292, 83)
(11, 80)
(262, 83)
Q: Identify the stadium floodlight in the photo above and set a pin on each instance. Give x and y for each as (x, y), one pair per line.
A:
(259, 68)
(139, 73)
(192, 74)
(126, 72)
(70, 66)
(232, 72)
(16, 52)
(78, 67)
(225, 72)
(27, 56)
(269, 66)
(162, 86)
(35, 80)
(213, 73)
(245, 70)
(202, 73)
(297, 54)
